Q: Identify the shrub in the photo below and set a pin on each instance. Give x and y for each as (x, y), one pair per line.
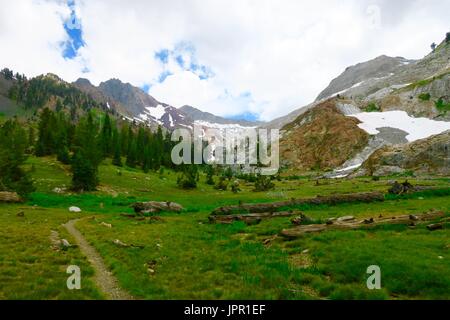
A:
(188, 178)
(263, 183)
(424, 97)
(372, 107)
(443, 106)
(222, 184)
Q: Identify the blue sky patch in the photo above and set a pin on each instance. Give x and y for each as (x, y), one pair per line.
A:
(184, 56)
(162, 55)
(249, 116)
(74, 30)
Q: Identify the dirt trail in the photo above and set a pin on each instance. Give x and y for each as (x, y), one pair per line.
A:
(103, 278)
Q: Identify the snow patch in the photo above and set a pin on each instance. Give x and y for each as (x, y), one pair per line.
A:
(417, 128)
(156, 112)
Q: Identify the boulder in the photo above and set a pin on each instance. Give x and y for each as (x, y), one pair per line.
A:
(74, 209)
(12, 197)
(155, 207)
(383, 171)
(400, 188)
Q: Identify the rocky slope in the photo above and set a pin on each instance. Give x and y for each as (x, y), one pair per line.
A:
(143, 107)
(321, 139)
(426, 156)
(378, 68)
(385, 97)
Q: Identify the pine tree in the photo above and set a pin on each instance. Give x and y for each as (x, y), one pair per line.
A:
(87, 155)
(46, 137)
(210, 175)
(106, 137)
(117, 158)
(13, 144)
(124, 132)
(61, 139)
(132, 154)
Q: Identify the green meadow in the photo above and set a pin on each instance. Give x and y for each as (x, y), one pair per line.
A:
(183, 256)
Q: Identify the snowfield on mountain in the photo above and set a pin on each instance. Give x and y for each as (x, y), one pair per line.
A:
(417, 128)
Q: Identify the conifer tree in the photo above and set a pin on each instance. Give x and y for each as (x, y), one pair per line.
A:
(117, 157)
(106, 137)
(13, 144)
(132, 154)
(46, 136)
(87, 155)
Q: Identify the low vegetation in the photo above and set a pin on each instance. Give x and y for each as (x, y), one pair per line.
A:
(183, 256)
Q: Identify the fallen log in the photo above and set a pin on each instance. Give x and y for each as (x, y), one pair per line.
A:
(435, 226)
(360, 224)
(10, 197)
(250, 217)
(274, 206)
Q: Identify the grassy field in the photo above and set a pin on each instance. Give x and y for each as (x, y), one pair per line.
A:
(182, 256)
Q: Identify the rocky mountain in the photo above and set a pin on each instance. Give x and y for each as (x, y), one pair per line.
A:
(86, 86)
(395, 101)
(198, 115)
(142, 107)
(136, 105)
(378, 68)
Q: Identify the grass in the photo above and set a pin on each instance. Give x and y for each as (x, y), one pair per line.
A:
(29, 267)
(192, 259)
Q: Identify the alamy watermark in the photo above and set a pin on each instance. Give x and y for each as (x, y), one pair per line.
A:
(374, 280)
(74, 280)
(249, 147)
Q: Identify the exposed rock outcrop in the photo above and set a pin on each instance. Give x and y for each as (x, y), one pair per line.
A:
(322, 138)
(427, 156)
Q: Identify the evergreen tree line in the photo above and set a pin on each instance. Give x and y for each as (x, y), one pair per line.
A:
(89, 141)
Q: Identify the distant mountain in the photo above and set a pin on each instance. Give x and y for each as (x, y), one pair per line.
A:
(86, 86)
(378, 68)
(198, 115)
(135, 104)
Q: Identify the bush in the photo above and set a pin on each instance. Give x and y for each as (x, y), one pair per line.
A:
(372, 107)
(443, 106)
(235, 187)
(188, 178)
(263, 183)
(424, 97)
(222, 184)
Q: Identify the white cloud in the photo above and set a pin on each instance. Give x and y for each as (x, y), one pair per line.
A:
(283, 53)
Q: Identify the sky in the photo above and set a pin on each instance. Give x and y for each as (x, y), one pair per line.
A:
(252, 59)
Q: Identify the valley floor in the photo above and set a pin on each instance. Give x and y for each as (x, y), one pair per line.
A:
(183, 256)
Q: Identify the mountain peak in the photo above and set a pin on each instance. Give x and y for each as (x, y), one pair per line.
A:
(381, 66)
